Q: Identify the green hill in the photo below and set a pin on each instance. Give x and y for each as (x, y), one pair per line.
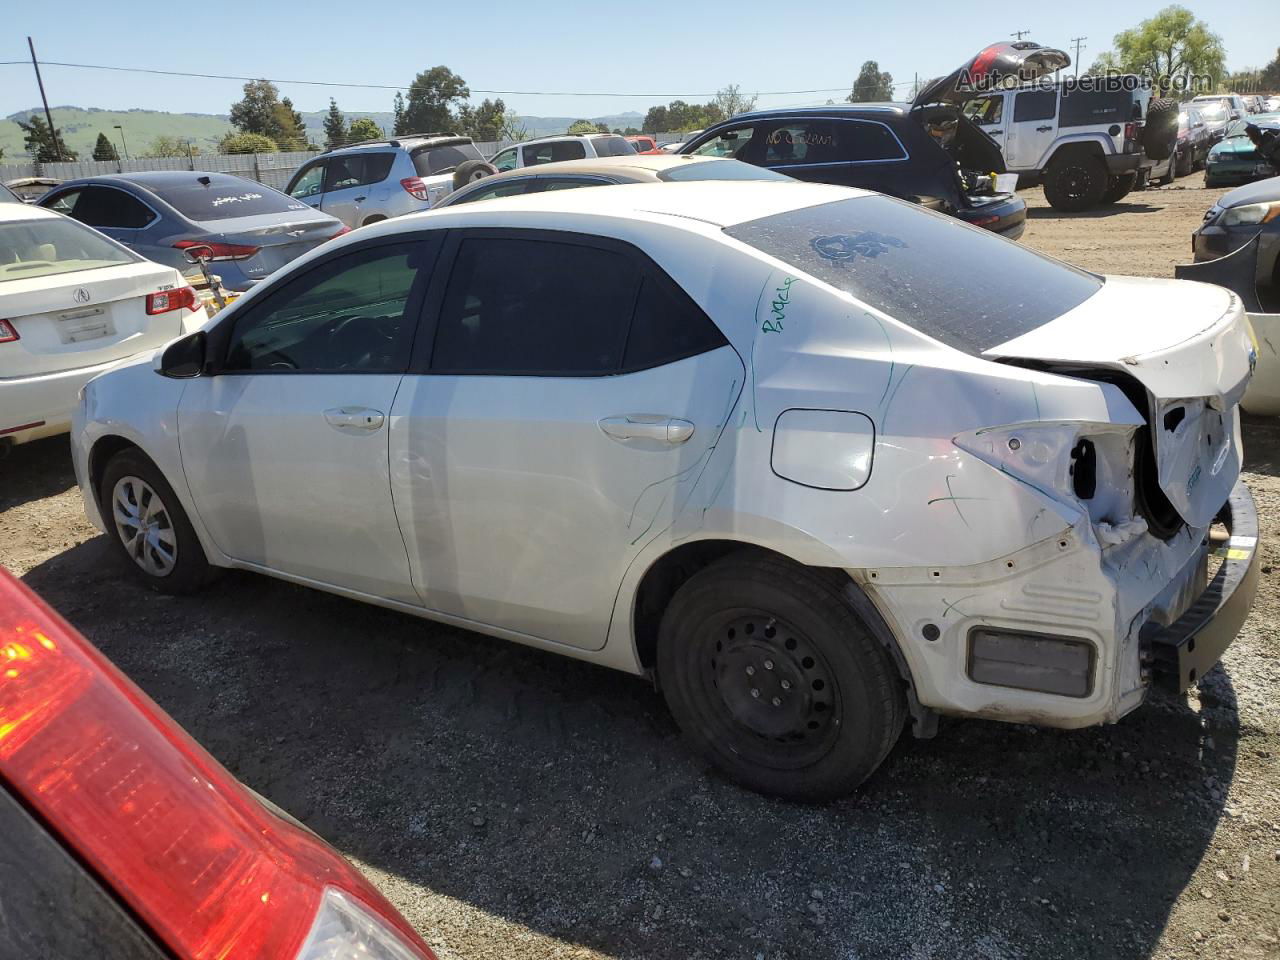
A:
(80, 128)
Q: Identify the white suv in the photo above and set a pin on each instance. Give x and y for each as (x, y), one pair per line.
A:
(815, 459)
(556, 149)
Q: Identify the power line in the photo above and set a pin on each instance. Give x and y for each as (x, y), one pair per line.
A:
(1019, 33)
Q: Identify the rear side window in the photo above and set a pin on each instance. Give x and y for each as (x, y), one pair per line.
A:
(357, 170)
(224, 197)
(429, 161)
(506, 188)
(830, 141)
(613, 147)
(958, 284)
(553, 152)
(109, 207)
(536, 306)
(1080, 108)
(1035, 105)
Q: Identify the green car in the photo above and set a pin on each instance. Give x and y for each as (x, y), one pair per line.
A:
(1235, 159)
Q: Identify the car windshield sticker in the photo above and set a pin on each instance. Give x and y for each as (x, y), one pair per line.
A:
(844, 247)
(236, 198)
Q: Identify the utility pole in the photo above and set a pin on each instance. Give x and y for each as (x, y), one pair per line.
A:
(122, 140)
(1079, 42)
(1019, 33)
(57, 147)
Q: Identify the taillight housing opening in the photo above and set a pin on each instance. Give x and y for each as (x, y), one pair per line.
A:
(165, 301)
(7, 332)
(221, 251)
(342, 232)
(415, 187)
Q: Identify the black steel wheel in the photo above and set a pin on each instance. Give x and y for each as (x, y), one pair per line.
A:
(774, 678)
(1075, 182)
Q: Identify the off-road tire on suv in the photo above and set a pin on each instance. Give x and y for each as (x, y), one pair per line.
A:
(1075, 181)
(1160, 132)
(1118, 187)
(131, 474)
(776, 680)
(469, 171)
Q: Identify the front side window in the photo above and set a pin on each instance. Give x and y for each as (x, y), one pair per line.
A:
(349, 315)
(1035, 105)
(731, 143)
(48, 246)
(985, 111)
(505, 160)
(961, 285)
(310, 183)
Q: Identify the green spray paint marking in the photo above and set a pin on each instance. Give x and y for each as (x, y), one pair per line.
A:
(779, 307)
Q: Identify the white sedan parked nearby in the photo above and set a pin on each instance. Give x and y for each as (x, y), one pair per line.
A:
(72, 302)
(815, 459)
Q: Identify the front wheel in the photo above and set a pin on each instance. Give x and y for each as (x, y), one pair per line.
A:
(775, 679)
(149, 527)
(1075, 183)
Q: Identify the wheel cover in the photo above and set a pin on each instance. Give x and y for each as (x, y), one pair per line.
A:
(1076, 182)
(144, 526)
(770, 689)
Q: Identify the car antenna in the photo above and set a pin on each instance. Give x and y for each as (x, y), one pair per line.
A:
(203, 180)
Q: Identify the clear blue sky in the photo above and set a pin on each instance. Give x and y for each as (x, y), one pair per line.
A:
(659, 47)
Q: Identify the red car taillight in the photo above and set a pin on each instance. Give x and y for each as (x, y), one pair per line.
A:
(198, 860)
(7, 333)
(1131, 131)
(162, 301)
(341, 233)
(414, 187)
(221, 251)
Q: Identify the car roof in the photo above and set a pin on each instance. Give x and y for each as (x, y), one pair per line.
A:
(720, 203)
(567, 136)
(831, 109)
(159, 179)
(643, 166)
(410, 141)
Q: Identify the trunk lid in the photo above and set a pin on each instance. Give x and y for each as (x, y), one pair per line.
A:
(279, 239)
(1189, 346)
(1022, 60)
(87, 318)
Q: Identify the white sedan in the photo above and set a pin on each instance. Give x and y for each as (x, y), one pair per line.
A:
(73, 302)
(816, 460)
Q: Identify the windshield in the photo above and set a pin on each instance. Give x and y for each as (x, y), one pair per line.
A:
(430, 161)
(719, 170)
(1214, 111)
(47, 247)
(223, 198)
(964, 286)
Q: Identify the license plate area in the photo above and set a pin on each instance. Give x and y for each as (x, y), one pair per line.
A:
(92, 323)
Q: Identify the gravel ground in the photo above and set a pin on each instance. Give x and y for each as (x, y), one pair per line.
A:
(515, 804)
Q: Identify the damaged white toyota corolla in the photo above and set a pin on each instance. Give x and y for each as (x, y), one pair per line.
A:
(816, 460)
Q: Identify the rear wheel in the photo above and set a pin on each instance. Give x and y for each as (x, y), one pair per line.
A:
(1075, 182)
(149, 527)
(776, 681)
(1118, 187)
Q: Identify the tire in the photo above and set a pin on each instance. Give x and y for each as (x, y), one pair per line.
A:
(1118, 187)
(1075, 182)
(172, 559)
(468, 171)
(1160, 131)
(828, 704)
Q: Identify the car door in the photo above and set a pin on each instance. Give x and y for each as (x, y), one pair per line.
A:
(307, 184)
(285, 446)
(988, 113)
(1033, 128)
(555, 422)
(349, 181)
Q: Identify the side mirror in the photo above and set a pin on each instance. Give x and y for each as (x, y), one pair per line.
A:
(184, 359)
(200, 253)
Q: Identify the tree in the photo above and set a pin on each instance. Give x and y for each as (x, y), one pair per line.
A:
(290, 130)
(164, 146)
(1103, 64)
(732, 102)
(1170, 47)
(1270, 78)
(581, 126)
(432, 96)
(487, 122)
(602, 128)
(44, 145)
(335, 127)
(398, 126)
(104, 149)
(872, 85)
(656, 121)
(256, 112)
(247, 143)
(362, 128)
(1248, 80)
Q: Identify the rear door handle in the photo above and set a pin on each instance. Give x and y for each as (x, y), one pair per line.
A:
(360, 199)
(1043, 129)
(648, 426)
(994, 132)
(355, 419)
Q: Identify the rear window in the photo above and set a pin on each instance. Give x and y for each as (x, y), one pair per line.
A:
(47, 247)
(719, 170)
(224, 198)
(429, 161)
(613, 147)
(963, 286)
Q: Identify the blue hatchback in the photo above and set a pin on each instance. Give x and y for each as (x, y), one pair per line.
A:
(251, 228)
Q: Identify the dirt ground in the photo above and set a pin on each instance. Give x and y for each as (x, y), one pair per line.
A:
(518, 805)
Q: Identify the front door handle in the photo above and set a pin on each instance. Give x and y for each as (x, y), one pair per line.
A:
(648, 426)
(1043, 129)
(357, 419)
(360, 199)
(994, 132)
